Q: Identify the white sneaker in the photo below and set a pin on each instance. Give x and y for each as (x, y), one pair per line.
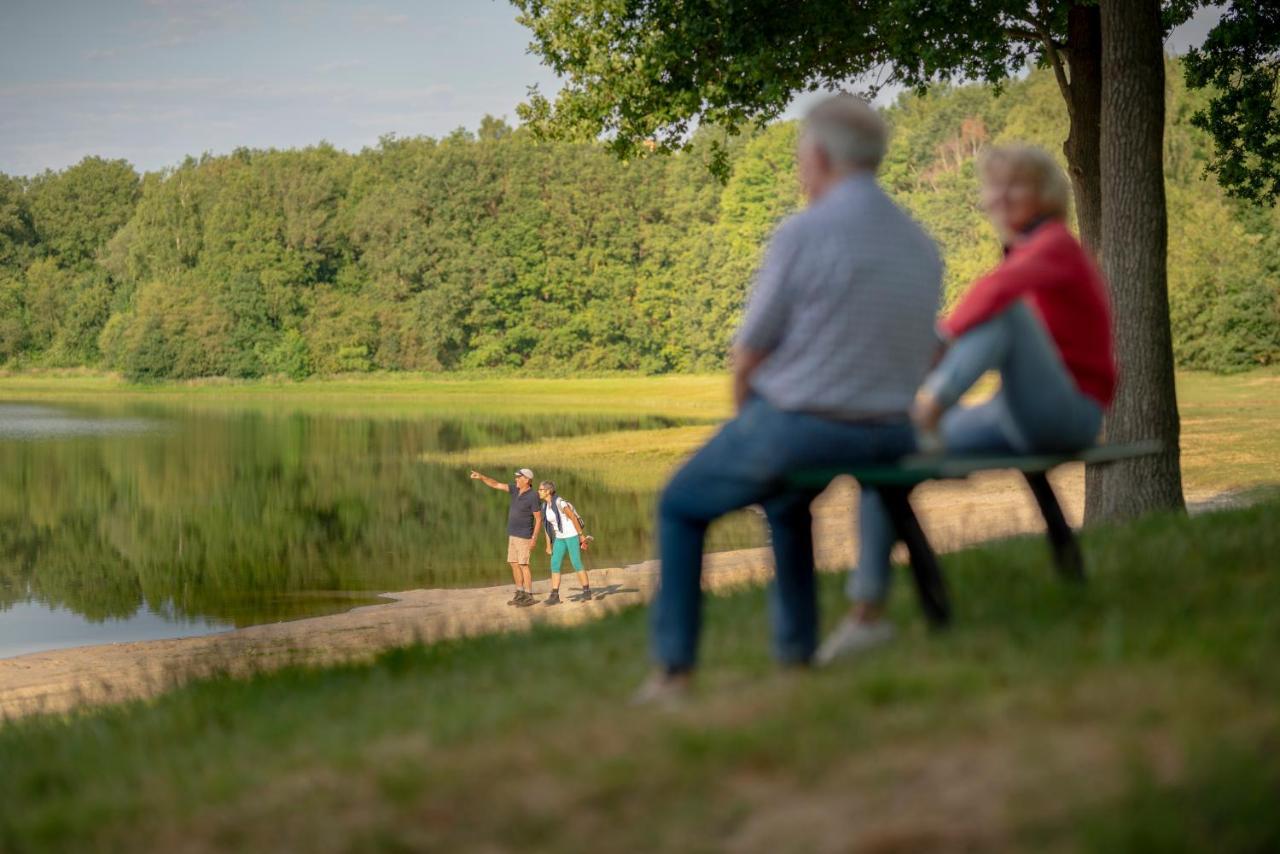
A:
(853, 637)
(661, 690)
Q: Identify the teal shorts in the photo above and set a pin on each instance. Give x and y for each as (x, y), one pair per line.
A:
(563, 546)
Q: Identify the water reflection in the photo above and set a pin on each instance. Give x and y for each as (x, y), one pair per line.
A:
(230, 518)
(24, 421)
(32, 627)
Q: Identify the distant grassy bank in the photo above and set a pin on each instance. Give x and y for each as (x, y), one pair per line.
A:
(676, 396)
(1139, 713)
(1229, 439)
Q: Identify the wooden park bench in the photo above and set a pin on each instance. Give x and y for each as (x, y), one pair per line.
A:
(896, 481)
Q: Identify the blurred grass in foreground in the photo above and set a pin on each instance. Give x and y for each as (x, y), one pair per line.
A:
(1140, 712)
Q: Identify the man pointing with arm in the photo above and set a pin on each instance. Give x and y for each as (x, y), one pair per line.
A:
(524, 521)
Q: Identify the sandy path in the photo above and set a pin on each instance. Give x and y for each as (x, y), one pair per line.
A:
(955, 514)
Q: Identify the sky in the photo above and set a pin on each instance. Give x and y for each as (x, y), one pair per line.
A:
(153, 81)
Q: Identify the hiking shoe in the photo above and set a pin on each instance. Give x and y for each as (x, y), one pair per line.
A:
(662, 691)
(853, 637)
(527, 600)
(516, 599)
(553, 599)
(586, 595)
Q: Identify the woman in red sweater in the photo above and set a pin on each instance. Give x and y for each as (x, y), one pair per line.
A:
(1042, 319)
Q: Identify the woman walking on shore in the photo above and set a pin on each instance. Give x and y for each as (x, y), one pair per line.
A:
(564, 526)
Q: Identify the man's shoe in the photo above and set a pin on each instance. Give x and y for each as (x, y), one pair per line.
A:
(516, 599)
(527, 599)
(663, 690)
(553, 599)
(853, 637)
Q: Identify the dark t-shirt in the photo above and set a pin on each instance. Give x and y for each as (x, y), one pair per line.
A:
(523, 508)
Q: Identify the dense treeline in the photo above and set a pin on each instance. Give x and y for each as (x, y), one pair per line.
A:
(491, 250)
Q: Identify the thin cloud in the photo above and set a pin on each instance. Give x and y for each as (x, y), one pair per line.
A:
(247, 90)
(175, 23)
(372, 17)
(340, 65)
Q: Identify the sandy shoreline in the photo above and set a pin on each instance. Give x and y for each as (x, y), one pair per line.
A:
(955, 514)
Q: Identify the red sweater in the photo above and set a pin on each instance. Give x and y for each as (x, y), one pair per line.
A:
(1051, 270)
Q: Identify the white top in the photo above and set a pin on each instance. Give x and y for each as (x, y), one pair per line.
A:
(566, 528)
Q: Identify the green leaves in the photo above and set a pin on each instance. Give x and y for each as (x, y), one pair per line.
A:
(76, 211)
(643, 74)
(1240, 63)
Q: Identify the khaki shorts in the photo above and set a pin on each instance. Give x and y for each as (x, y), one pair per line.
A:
(518, 550)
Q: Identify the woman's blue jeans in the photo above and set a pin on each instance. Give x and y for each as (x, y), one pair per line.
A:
(1037, 410)
(747, 463)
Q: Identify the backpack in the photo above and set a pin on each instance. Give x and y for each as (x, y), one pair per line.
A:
(584, 539)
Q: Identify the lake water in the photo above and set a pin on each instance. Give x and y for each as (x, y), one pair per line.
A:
(145, 520)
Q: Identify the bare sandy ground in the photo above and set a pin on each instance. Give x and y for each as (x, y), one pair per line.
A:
(954, 514)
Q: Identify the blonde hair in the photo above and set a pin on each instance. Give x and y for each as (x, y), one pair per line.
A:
(1053, 189)
(849, 130)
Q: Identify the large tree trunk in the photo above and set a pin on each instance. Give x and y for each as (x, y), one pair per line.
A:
(1133, 258)
(1084, 106)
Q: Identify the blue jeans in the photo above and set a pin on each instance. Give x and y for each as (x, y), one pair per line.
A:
(1037, 410)
(747, 463)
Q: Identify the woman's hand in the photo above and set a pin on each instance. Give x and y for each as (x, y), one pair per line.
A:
(926, 412)
(926, 416)
(548, 548)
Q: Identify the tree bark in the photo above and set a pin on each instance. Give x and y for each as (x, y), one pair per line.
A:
(1134, 259)
(1084, 106)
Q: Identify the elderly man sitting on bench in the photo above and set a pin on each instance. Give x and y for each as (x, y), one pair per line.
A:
(837, 336)
(1041, 319)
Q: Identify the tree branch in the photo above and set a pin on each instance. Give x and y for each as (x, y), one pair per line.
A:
(1021, 33)
(1053, 51)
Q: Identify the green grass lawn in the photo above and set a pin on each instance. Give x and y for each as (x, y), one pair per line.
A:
(1138, 713)
(1229, 433)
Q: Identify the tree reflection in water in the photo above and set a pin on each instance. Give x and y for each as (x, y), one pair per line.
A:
(246, 517)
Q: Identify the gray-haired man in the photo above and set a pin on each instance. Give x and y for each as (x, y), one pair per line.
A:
(837, 336)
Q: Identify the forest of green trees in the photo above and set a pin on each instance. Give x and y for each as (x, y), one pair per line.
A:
(493, 250)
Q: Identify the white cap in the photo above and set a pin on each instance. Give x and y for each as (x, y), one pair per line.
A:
(525, 472)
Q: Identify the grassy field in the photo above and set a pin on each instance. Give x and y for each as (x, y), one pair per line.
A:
(1139, 713)
(1229, 435)
(685, 397)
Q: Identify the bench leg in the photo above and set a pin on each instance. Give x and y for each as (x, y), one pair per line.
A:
(1066, 550)
(930, 586)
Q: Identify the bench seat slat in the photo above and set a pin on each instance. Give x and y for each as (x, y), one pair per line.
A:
(918, 468)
